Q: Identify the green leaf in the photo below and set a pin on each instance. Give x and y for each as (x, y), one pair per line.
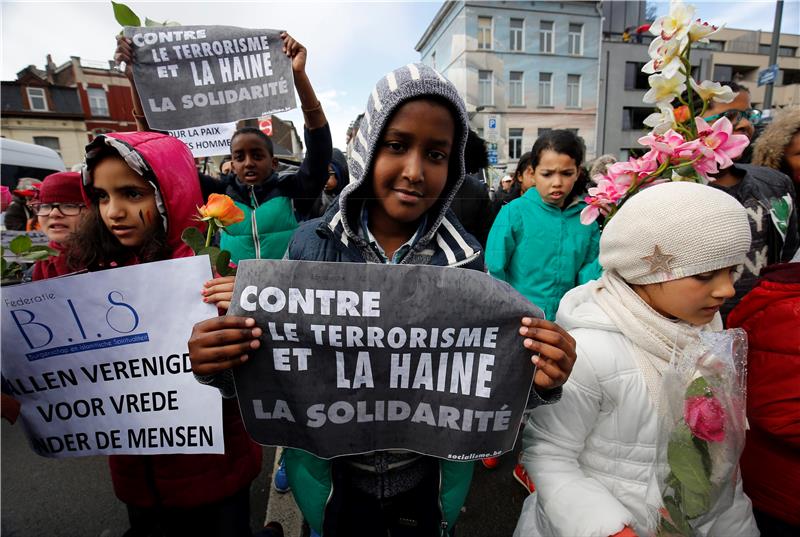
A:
(21, 244)
(3, 266)
(124, 15)
(679, 522)
(35, 256)
(213, 254)
(224, 258)
(686, 461)
(694, 504)
(171, 23)
(193, 238)
(698, 387)
(702, 447)
(150, 22)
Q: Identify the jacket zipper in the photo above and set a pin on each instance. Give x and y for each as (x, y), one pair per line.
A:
(253, 224)
(466, 261)
(443, 526)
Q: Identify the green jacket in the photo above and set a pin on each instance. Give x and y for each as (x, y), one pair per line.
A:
(312, 476)
(269, 227)
(541, 250)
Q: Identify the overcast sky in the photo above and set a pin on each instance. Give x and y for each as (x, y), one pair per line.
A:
(351, 44)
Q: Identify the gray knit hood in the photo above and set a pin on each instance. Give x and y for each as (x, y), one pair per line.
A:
(399, 86)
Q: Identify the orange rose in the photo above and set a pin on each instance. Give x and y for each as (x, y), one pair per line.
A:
(682, 114)
(222, 210)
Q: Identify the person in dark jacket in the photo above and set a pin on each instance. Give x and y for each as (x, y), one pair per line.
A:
(522, 176)
(405, 171)
(767, 194)
(338, 178)
(472, 205)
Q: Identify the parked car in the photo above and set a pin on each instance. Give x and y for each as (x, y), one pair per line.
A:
(20, 159)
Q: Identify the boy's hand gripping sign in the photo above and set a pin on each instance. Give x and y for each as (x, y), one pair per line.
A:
(100, 365)
(361, 357)
(189, 76)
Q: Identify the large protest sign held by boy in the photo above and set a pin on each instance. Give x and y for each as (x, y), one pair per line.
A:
(361, 357)
(189, 76)
(98, 361)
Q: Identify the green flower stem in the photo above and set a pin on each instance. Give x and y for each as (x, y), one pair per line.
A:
(210, 233)
(689, 91)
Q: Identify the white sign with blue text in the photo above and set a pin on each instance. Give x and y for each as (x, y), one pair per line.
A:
(99, 361)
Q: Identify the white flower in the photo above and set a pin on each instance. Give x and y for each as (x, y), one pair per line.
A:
(699, 31)
(676, 24)
(666, 56)
(713, 90)
(663, 89)
(661, 121)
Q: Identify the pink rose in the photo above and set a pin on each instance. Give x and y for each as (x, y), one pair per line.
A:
(705, 418)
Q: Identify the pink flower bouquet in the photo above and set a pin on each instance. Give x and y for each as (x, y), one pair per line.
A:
(682, 146)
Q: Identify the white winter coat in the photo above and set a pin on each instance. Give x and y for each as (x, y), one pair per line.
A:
(592, 455)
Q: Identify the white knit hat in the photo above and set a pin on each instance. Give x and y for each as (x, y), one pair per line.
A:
(673, 230)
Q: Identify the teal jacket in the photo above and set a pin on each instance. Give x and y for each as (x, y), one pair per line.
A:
(541, 250)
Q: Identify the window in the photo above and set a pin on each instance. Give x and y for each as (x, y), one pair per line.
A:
(545, 89)
(514, 143)
(635, 79)
(573, 91)
(98, 104)
(48, 141)
(484, 33)
(485, 88)
(542, 131)
(723, 72)
(716, 45)
(782, 51)
(575, 38)
(790, 76)
(37, 99)
(515, 89)
(633, 118)
(515, 38)
(546, 37)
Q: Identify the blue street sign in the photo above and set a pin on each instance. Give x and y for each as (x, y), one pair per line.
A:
(768, 75)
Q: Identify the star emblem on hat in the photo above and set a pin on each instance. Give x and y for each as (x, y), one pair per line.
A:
(659, 261)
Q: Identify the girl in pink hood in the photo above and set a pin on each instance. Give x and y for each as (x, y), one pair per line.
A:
(141, 192)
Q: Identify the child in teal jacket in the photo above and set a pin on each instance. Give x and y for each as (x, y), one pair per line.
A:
(537, 243)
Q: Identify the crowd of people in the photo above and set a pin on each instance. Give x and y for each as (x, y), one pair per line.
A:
(411, 182)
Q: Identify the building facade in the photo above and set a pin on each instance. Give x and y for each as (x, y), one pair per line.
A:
(37, 112)
(64, 107)
(105, 93)
(739, 55)
(532, 65)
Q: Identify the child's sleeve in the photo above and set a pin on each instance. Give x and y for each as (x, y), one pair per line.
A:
(591, 269)
(553, 439)
(500, 245)
(310, 179)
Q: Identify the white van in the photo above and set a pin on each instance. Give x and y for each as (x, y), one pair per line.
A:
(19, 159)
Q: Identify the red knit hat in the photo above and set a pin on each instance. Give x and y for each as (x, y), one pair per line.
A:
(61, 187)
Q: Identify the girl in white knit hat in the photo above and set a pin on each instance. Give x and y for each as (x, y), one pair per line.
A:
(669, 257)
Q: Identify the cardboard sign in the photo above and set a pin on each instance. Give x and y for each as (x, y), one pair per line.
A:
(100, 365)
(363, 357)
(188, 76)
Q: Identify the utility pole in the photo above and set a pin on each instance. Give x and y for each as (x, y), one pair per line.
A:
(773, 52)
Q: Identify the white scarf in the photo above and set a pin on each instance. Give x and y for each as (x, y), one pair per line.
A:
(656, 340)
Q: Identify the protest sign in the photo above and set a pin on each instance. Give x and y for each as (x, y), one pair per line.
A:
(99, 361)
(188, 76)
(207, 140)
(363, 357)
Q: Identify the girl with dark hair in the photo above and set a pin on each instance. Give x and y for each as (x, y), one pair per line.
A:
(141, 193)
(537, 243)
